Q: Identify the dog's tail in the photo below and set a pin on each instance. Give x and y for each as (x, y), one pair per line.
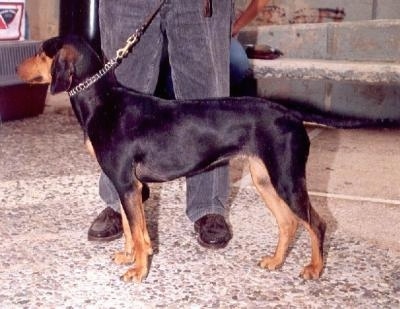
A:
(308, 113)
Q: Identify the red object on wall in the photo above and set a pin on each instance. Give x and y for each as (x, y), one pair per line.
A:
(12, 20)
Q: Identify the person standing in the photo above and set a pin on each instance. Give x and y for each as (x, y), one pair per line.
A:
(241, 81)
(197, 37)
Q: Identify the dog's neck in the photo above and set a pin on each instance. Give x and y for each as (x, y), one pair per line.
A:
(99, 73)
(89, 87)
(85, 102)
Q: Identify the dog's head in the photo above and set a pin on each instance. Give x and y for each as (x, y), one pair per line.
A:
(62, 62)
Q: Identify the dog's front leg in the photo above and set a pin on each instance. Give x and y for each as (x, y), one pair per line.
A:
(137, 240)
(127, 256)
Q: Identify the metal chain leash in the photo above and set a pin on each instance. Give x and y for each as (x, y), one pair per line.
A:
(91, 80)
(120, 55)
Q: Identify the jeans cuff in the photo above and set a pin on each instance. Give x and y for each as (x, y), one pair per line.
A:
(115, 206)
(202, 210)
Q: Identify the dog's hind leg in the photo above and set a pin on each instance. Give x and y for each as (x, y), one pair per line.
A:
(316, 228)
(137, 242)
(288, 200)
(286, 220)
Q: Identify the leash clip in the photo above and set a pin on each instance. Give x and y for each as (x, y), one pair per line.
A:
(134, 38)
(130, 42)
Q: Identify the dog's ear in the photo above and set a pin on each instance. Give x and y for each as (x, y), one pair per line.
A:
(62, 71)
(51, 46)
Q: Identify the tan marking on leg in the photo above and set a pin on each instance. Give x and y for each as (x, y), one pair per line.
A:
(287, 221)
(127, 256)
(140, 237)
(143, 225)
(317, 231)
(90, 149)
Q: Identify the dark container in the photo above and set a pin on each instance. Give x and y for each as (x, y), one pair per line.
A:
(17, 99)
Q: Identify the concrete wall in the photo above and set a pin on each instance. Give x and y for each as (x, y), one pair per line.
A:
(369, 32)
(368, 40)
(43, 16)
(344, 98)
(311, 11)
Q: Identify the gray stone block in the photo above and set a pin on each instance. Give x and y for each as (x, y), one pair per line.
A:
(330, 70)
(351, 99)
(354, 46)
(373, 40)
(387, 9)
(376, 40)
(372, 101)
(309, 92)
(299, 41)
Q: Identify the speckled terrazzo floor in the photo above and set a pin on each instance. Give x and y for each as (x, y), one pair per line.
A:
(48, 196)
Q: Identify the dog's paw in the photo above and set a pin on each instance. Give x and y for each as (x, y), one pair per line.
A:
(123, 258)
(311, 272)
(135, 274)
(270, 262)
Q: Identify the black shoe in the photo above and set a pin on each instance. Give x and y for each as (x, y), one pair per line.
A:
(106, 227)
(213, 231)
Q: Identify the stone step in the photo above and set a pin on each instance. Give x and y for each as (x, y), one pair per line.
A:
(350, 68)
(372, 40)
(342, 98)
(329, 70)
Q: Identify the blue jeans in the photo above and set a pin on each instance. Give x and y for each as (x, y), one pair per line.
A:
(198, 52)
(239, 64)
(241, 81)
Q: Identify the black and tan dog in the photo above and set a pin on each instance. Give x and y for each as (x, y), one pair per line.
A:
(139, 138)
